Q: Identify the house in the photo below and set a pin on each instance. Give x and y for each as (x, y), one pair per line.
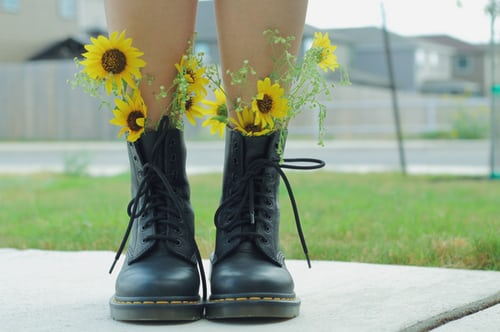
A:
(467, 65)
(28, 26)
(414, 62)
(427, 64)
(440, 64)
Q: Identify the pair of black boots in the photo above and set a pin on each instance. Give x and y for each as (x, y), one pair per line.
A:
(160, 279)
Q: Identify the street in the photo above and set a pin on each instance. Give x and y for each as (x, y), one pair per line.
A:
(106, 158)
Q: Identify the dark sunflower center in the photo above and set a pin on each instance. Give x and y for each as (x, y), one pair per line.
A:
(191, 74)
(114, 61)
(265, 105)
(132, 120)
(252, 128)
(189, 103)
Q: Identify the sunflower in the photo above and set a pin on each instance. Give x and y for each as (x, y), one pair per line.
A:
(269, 104)
(217, 113)
(193, 109)
(245, 123)
(193, 73)
(130, 114)
(113, 60)
(327, 59)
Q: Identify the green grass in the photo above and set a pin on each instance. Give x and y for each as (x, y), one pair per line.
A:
(379, 218)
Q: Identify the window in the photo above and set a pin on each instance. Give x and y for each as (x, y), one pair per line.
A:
(67, 9)
(420, 57)
(434, 59)
(11, 6)
(463, 64)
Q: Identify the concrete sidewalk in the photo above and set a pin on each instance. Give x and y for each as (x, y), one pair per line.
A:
(69, 291)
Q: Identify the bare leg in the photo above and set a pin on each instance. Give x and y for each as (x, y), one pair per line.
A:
(161, 29)
(247, 263)
(240, 26)
(160, 280)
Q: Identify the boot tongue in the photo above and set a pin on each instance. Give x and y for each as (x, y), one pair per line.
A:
(258, 147)
(247, 246)
(147, 143)
(150, 139)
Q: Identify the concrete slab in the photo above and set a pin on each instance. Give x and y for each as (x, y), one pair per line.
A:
(485, 320)
(69, 291)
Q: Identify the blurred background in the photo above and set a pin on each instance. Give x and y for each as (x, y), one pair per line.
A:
(443, 54)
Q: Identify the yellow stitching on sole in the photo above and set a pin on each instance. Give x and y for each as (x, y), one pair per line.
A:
(156, 302)
(254, 298)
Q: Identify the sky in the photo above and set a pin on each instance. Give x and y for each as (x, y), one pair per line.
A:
(466, 21)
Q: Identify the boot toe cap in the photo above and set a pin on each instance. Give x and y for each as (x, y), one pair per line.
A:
(162, 277)
(250, 275)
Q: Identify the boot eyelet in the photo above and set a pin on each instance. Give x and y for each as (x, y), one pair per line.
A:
(178, 243)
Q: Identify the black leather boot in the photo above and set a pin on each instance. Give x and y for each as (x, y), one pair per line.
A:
(160, 278)
(249, 277)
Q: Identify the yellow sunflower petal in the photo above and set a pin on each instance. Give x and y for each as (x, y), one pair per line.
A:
(113, 60)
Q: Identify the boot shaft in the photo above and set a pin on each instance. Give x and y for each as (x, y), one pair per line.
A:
(159, 158)
(249, 210)
(164, 148)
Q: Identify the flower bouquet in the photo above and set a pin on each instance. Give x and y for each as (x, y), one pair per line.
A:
(113, 67)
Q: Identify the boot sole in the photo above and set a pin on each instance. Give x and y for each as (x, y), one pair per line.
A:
(248, 307)
(155, 310)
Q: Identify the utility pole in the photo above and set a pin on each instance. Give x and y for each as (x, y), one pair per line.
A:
(493, 8)
(392, 82)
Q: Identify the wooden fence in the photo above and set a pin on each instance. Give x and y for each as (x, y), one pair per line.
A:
(37, 103)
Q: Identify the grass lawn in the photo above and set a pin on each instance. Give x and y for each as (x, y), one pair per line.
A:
(379, 218)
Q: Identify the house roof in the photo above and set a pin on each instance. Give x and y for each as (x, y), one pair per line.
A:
(369, 35)
(68, 48)
(457, 44)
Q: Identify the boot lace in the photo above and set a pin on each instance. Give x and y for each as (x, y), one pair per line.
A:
(160, 198)
(244, 195)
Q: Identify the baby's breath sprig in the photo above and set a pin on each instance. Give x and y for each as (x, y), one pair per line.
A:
(187, 90)
(305, 79)
(90, 86)
(305, 82)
